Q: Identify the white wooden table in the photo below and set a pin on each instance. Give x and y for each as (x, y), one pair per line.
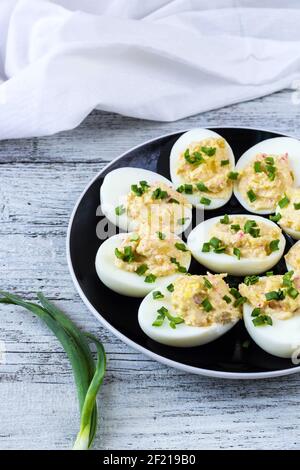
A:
(143, 405)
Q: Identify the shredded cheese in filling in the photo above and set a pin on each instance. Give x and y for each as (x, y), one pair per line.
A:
(211, 166)
(269, 183)
(250, 246)
(282, 309)
(159, 206)
(290, 214)
(194, 295)
(152, 253)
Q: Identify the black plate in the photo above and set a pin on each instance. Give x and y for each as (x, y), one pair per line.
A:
(225, 357)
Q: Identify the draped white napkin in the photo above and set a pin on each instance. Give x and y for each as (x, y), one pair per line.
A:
(153, 59)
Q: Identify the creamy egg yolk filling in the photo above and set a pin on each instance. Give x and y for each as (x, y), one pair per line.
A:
(263, 181)
(289, 212)
(205, 300)
(152, 255)
(272, 296)
(157, 204)
(205, 167)
(293, 257)
(243, 238)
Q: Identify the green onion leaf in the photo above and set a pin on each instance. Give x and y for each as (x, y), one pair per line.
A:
(256, 312)
(275, 295)
(274, 245)
(120, 210)
(158, 193)
(257, 167)
(141, 269)
(161, 235)
(207, 306)
(224, 162)
(250, 280)
(276, 217)
(206, 247)
(284, 202)
(227, 299)
(181, 247)
(157, 295)
(207, 283)
(205, 201)
(235, 227)
(251, 195)
(209, 151)
(296, 206)
(233, 175)
(262, 320)
(237, 252)
(170, 287)
(225, 220)
(201, 187)
(150, 278)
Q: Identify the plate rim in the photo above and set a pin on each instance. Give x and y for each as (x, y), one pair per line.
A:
(161, 359)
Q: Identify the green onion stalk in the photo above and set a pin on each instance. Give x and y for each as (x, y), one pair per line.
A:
(88, 376)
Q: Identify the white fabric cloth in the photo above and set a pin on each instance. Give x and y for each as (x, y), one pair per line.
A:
(153, 59)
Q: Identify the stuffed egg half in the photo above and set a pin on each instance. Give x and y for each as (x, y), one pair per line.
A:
(237, 244)
(265, 172)
(272, 313)
(202, 167)
(134, 196)
(191, 311)
(135, 263)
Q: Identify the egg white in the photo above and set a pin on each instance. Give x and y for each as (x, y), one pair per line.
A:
(196, 135)
(183, 336)
(124, 282)
(275, 146)
(280, 339)
(222, 262)
(289, 267)
(117, 185)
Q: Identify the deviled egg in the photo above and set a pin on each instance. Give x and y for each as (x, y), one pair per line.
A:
(201, 167)
(237, 244)
(272, 313)
(191, 311)
(292, 258)
(265, 172)
(134, 196)
(135, 263)
(288, 212)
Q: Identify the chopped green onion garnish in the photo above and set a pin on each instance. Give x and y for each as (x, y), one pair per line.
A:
(158, 193)
(127, 256)
(209, 151)
(235, 227)
(262, 320)
(275, 295)
(215, 242)
(274, 245)
(201, 186)
(195, 159)
(205, 201)
(235, 293)
(240, 301)
(275, 218)
(141, 269)
(296, 206)
(157, 295)
(233, 175)
(224, 162)
(163, 313)
(255, 312)
(181, 247)
(120, 210)
(225, 220)
(292, 292)
(207, 305)
(185, 188)
(180, 269)
(161, 235)
(270, 160)
(150, 278)
(258, 167)
(206, 247)
(173, 200)
(284, 202)
(207, 283)
(227, 299)
(287, 279)
(250, 280)
(269, 273)
(251, 195)
(237, 252)
(170, 287)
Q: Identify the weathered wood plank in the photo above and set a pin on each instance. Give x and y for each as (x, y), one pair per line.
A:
(41, 180)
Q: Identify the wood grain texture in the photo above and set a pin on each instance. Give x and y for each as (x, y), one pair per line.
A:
(142, 404)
